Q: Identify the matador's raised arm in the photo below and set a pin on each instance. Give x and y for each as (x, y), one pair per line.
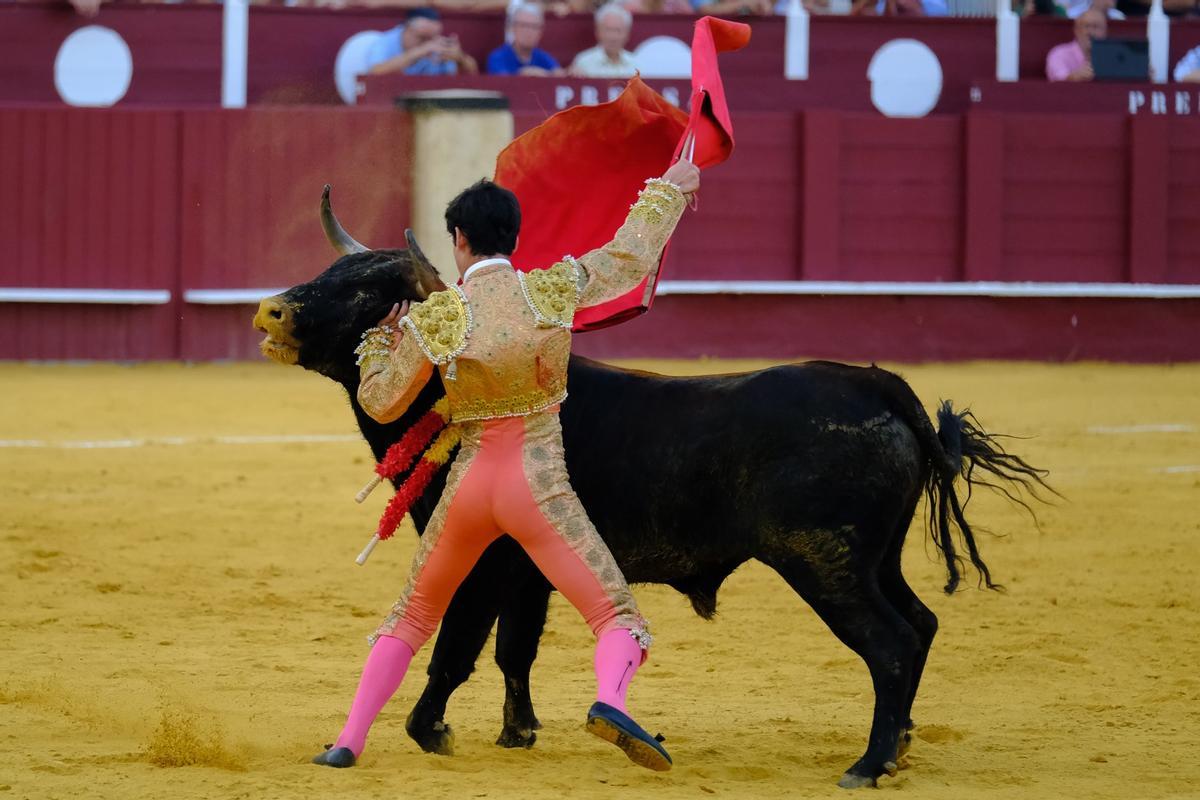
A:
(621, 265)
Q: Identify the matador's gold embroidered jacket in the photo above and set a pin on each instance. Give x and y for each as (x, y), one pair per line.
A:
(502, 339)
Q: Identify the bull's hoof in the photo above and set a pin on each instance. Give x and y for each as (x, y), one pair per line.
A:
(438, 738)
(852, 781)
(516, 737)
(904, 743)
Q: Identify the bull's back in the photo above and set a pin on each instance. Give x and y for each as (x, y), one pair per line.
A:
(665, 462)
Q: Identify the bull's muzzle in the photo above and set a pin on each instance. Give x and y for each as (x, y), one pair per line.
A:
(276, 318)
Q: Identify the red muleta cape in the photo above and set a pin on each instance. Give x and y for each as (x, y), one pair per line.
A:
(577, 173)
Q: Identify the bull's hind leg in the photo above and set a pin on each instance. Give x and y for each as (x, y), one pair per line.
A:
(522, 620)
(923, 621)
(847, 597)
(463, 633)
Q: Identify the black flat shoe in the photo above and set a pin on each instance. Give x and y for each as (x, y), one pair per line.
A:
(339, 757)
(612, 726)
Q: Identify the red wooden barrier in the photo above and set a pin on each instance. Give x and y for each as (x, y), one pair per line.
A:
(197, 202)
(251, 191)
(889, 328)
(89, 201)
(176, 50)
(1182, 208)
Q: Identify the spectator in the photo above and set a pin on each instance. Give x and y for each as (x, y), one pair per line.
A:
(1077, 7)
(609, 58)
(418, 48)
(901, 8)
(1045, 8)
(522, 56)
(1188, 68)
(86, 8)
(1073, 61)
(1140, 8)
(732, 8)
(657, 6)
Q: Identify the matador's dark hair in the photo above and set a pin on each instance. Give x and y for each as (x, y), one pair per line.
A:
(488, 215)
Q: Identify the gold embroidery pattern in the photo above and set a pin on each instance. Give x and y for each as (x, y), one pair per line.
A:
(551, 294)
(580, 273)
(389, 383)
(513, 365)
(469, 409)
(468, 448)
(442, 324)
(632, 256)
(546, 471)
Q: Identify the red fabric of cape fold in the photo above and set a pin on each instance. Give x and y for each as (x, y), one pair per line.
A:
(577, 173)
(709, 119)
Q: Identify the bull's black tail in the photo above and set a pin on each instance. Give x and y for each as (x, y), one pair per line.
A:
(964, 449)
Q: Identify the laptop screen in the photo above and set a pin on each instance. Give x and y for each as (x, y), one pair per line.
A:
(1121, 59)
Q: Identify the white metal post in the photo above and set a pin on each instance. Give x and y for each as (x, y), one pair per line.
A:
(234, 47)
(1158, 31)
(795, 64)
(1008, 41)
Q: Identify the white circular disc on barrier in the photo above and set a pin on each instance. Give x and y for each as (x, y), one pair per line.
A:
(351, 62)
(906, 78)
(93, 67)
(663, 57)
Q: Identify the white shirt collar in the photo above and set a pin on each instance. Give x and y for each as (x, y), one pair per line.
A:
(487, 262)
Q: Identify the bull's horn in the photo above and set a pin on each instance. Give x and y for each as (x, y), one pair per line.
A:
(415, 248)
(342, 242)
(428, 279)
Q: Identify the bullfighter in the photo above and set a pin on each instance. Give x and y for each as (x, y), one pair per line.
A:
(501, 341)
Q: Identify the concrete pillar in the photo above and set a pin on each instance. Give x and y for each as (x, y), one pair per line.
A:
(457, 135)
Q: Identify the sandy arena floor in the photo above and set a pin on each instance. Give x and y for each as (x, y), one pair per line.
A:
(191, 597)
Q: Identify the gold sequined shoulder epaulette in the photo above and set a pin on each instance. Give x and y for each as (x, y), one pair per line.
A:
(552, 294)
(442, 324)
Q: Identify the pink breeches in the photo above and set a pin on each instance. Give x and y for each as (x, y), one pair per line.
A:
(510, 477)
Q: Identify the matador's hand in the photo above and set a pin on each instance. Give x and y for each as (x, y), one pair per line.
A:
(389, 322)
(685, 175)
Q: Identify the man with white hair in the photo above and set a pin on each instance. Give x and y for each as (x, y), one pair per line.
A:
(609, 58)
(521, 55)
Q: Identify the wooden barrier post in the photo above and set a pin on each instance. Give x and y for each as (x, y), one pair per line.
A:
(456, 137)
(983, 236)
(1149, 211)
(820, 196)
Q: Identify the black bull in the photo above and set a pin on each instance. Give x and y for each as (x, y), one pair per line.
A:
(814, 469)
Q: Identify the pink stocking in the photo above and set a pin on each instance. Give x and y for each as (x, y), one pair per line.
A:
(618, 655)
(381, 677)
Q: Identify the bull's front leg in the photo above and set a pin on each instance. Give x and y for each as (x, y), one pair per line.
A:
(464, 631)
(522, 620)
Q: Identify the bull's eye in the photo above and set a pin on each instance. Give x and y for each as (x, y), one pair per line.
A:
(445, 339)
(450, 315)
(433, 327)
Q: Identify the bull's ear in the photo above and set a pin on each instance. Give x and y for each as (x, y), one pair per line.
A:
(342, 242)
(428, 280)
